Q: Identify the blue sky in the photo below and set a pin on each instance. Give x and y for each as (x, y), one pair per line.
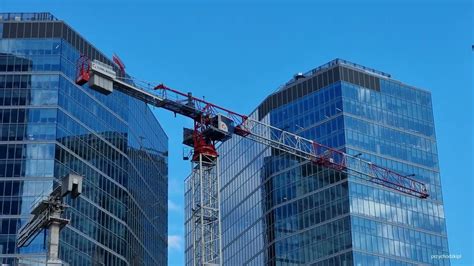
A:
(236, 52)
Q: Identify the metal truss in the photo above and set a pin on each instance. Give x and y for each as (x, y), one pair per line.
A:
(195, 108)
(304, 148)
(332, 158)
(205, 211)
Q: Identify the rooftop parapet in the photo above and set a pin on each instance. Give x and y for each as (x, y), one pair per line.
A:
(337, 62)
(43, 16)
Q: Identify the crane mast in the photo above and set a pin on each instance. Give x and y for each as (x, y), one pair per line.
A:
(214, 124)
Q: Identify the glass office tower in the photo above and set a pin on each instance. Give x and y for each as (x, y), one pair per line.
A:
(280, 210)
(50, 127)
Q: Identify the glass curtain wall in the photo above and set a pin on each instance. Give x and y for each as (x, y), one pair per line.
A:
(51, 127)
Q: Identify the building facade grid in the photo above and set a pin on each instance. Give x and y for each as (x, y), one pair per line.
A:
(51, 127)
(279, 210)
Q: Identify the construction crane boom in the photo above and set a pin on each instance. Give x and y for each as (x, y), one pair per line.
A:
(304, 148)
(195, 108)
(214, 124)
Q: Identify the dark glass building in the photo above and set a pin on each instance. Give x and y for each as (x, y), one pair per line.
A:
(50, 127)
(280, 210)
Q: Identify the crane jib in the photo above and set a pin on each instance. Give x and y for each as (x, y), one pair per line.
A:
(216, 124)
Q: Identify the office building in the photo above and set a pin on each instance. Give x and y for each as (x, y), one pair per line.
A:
(277, 209)
(50, 127)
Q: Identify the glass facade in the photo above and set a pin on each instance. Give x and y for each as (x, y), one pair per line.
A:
(394, 128)
(280, 210)
(50, 127)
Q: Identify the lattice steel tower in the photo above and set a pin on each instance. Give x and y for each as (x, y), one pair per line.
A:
(205, 212)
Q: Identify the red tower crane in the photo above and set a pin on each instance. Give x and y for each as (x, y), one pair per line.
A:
(214, 124)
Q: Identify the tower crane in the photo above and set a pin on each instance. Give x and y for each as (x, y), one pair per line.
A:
(46, 214)
(214, 124)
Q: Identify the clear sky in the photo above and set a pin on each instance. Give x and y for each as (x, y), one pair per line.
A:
(237, 52)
